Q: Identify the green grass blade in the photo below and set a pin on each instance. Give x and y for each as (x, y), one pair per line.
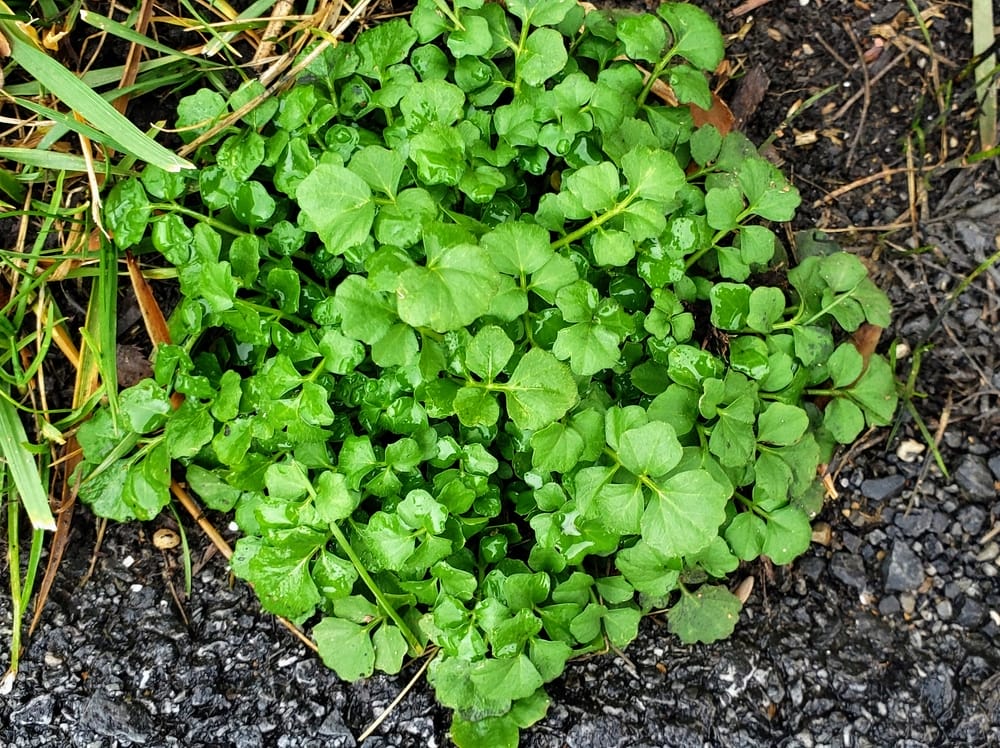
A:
(16, 598)
(220, 39)
(53, 160)
(78, 97)
(986, 85)
(50, 11)
(95, 78)
(69, 122)
(20, 463)
(34, 560)
(102, 314)
(10, 186)
(130, 35)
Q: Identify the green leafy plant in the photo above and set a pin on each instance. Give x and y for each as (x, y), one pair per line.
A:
(489, 352)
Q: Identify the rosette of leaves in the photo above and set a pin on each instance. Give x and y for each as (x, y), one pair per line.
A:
(480, 345)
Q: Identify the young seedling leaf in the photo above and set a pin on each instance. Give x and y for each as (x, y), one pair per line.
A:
(339, 205)
(541, 390)
(706, 615)
(345, 647)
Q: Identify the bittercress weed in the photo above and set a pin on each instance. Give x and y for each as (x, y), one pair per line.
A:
(480, 344)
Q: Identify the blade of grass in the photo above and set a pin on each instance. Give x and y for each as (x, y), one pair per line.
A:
(69, 122)
(106, 323)
(103, 23)
(86, 391)
(185, 549)
(25, 374)
(11, 187)
(54, 160)
(21, 466)
(20, 592)
(34, 561)
(96, 78)
(986, 85)
(110, 123)
(218, 42)
(14, 570)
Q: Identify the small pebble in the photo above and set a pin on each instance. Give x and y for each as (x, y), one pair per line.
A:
(916, 522)
(971, 614)
(972, 519)
(975, 478)
(989, 552)
(851, 541)
(944, 610)
(939, 696)
(889, 606)
(880, 489)
(902, 570)
(932, 546)
(849, 569)
(994, 465)
(38, 711)
(910, 449)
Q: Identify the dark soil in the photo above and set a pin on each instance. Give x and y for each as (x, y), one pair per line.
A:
(887, 632)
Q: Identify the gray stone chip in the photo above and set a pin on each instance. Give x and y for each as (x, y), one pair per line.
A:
(902, 570)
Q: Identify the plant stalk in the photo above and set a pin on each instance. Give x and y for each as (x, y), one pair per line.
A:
(384, 603)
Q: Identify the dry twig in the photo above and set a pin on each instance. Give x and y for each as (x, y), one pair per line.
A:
(398, 700)
(746, 7)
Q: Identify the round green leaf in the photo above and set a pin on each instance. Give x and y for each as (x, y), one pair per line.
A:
(706, 615)
(782, 424)
(345, 647)
(338, 203)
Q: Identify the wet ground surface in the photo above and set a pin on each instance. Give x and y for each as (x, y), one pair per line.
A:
(887, 632)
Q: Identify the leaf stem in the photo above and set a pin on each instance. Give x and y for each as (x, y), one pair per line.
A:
(719, 235)
(449, 14)
(518, 51)
(213, 222)
(271, 312)
(653, 77)
(824, 392)
(825, 310)
(348, 550)
(595, 223)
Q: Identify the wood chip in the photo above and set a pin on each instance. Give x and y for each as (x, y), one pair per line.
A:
(744, 589)
(822, 533)
(809, 137)
(750, 94)
(165, 539)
